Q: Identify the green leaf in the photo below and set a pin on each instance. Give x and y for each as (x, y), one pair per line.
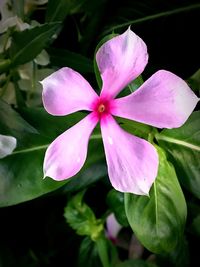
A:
(194, 81)
(195, 226)
(135, 84)
(136, 128)
(18, 8)
(158, 221)
(115, 200)
(48, 125)
(26, 45)
(81, 218)
(183, 144)
(21, 177)
(4, 65)
(21, 173)
(179, 257)
(13, 124)
(58, 10)
(88, 250)
(65, 58)
(135, 263)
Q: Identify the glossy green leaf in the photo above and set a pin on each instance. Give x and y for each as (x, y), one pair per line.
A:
(81, 218)
(26, 45)
(47, 125)
(66, 58)
(136, 128)
(158, 220)
(21, 173)
(115, 200)
(183, 144)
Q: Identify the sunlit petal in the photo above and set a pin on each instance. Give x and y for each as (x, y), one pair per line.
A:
(121, 60)
(67, 154)
(163, 101)
(132, 162)
(66, 91)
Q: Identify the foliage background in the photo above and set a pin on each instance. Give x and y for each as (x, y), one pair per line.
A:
(34, 232)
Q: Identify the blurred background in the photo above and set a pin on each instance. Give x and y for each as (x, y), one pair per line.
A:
(34, 232)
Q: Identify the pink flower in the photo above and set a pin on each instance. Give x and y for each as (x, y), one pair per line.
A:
(163, 101)
(113, 228)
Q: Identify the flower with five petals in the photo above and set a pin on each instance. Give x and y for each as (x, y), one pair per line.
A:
(163, 101)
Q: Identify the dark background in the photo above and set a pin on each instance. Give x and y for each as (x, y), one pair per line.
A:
(35, 233)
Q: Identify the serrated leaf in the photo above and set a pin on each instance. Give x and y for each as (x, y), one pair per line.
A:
(183, 144)
(88, 250)
(158, 221)
(26, 45)
(81, 218)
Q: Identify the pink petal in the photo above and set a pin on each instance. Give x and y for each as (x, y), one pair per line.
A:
(67, 154)
(121, 60)
(113, 227)
(66, 91)
(163, 101)
(132, 162)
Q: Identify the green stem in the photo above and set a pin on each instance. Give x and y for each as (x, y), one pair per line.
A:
(4, 65)
(103, 252)
(4, 87)
(154, 16)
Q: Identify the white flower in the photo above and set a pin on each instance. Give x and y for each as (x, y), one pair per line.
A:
(7, 145)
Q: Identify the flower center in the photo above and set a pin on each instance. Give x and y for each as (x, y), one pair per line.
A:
(101, 108)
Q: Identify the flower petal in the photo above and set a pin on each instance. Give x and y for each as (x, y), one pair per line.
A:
(7, 145)
(163, 101)
(132, 162)
(113, 227)
(67, 154)
(121, 60)
(66, 91)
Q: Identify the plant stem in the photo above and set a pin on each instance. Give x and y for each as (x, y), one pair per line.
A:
(154, 16)
(102, 250)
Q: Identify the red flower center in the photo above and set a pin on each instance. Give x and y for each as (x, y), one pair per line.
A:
(101, 107)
